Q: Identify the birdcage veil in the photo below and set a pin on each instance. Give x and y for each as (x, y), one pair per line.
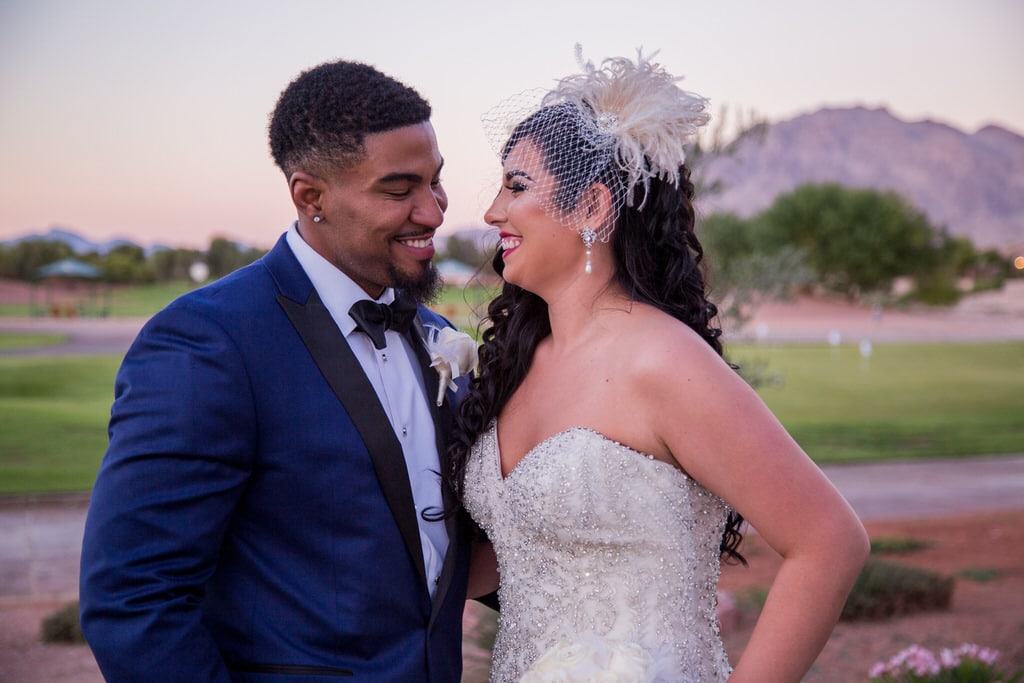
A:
(622, 124)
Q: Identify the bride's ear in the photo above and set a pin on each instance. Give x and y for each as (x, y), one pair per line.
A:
(595, 207)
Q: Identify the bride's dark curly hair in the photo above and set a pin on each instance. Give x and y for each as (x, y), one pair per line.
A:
(657, 261)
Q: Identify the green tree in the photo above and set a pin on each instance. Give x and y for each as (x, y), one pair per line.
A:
(173, 264)
(225, 256)
(856, 240)
(126, 264)
(20, 261)
(744, 268)
(465, 249)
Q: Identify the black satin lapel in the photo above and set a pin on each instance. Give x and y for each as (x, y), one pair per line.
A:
(431, 381)
(346, 378)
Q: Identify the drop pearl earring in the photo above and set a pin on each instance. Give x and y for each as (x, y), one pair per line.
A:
(589, 237)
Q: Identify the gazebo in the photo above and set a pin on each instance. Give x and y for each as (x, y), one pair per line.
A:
(71, 288)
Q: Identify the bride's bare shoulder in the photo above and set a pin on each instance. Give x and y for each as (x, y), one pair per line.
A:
(657, 331)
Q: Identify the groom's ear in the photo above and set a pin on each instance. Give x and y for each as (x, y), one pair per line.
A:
(306, 190)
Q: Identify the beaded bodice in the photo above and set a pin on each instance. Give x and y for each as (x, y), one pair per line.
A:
(594, 538)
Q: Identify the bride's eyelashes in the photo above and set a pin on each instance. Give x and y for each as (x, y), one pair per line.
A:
(513, 184)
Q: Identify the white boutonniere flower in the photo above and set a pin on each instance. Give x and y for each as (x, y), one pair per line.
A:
(452, 353)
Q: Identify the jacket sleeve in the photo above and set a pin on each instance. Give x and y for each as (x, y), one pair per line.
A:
(181, 447)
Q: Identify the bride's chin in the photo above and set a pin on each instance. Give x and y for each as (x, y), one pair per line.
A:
(509, 275)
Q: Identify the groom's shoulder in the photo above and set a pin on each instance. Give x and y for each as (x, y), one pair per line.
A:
(429, 316)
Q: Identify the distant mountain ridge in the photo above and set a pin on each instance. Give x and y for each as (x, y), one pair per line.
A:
(973, 184)
(79, 245)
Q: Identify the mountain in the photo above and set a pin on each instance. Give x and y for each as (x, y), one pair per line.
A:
(78, 244)
(972, 184)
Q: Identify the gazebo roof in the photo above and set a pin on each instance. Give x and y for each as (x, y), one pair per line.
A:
(68, 267)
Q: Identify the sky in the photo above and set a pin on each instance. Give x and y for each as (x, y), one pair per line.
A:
(147, 120)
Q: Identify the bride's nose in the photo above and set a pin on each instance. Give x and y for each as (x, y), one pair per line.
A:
(496, 213)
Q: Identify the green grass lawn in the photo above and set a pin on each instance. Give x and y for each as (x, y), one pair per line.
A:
(17, 340)
(145, 300)
(905, 401)
(53, 415)
(465, 306)
(125, 302)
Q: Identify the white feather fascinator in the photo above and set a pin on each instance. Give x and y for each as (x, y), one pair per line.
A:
(630, 114)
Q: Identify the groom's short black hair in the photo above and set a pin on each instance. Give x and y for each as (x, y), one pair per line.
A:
(322, 116)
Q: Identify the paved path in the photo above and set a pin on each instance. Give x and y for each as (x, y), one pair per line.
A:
(84, 335)
(40, 537)
(985, 317)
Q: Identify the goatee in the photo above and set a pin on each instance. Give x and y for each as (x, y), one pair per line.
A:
(424, 288)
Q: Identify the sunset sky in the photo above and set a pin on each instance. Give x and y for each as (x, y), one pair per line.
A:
(147, 120)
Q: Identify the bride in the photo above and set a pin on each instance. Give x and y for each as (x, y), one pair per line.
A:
(606, 450)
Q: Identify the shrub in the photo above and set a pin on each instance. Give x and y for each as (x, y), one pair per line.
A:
(980, 574)
(63, 626)
(892, 545)
(886, 589)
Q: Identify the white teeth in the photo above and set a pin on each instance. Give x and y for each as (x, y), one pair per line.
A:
(419, 244)
(511, 243)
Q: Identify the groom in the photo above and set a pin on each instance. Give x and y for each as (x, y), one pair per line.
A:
(274, 436)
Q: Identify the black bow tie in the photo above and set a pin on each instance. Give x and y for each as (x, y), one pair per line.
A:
(373, 318)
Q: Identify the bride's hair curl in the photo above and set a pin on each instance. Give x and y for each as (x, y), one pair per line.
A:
(657, 256)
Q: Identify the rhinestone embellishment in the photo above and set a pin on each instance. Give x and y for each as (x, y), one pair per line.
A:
(606, 122)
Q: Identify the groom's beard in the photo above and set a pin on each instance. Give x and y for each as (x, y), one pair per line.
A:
(423, 288)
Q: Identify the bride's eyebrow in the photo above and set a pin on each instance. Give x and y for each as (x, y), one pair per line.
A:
(517, 174)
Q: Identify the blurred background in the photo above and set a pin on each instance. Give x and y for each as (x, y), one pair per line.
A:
(860, 201)
(147, 120)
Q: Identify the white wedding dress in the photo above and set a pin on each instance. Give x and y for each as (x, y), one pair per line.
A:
(609, 562)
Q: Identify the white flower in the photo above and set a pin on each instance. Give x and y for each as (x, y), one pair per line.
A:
(452, 353)
(592, 659)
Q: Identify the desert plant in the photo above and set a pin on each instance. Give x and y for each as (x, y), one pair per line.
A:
(893, 545)
(979, 574)
(63, 626)
(886, 589)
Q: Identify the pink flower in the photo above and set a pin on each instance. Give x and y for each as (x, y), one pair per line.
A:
(916, 664)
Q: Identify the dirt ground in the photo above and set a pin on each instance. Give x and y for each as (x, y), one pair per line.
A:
(987, 610)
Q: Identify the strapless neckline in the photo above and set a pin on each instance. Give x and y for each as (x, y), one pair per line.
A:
(568, 432)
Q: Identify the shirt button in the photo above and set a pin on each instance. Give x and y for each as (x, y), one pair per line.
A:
(404, 431)
(384, 357)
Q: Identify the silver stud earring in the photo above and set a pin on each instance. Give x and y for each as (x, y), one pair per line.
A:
(589, 237)
(316, 219)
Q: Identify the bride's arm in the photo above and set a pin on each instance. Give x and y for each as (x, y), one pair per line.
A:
(483, 570)
(724, 436)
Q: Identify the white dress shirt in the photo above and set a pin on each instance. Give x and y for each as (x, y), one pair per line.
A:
(395, 374)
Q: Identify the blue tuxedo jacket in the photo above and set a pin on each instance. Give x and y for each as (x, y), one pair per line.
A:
(252, 519)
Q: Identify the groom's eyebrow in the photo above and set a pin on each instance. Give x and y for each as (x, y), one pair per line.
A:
(415, 178)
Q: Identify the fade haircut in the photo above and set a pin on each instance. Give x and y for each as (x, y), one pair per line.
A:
(322, 117)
